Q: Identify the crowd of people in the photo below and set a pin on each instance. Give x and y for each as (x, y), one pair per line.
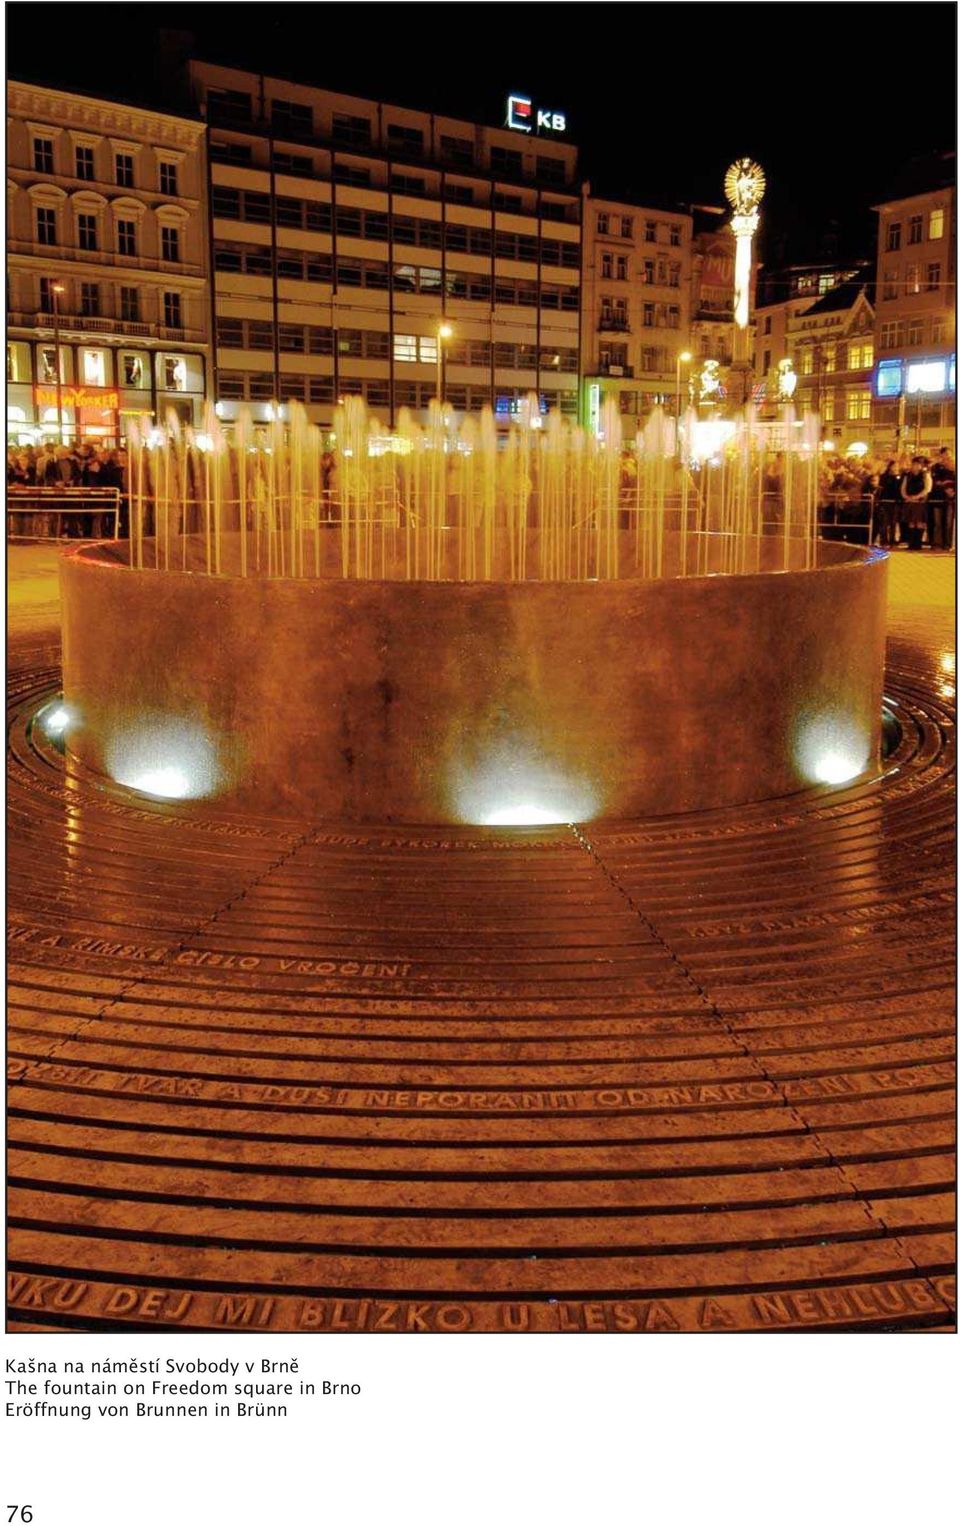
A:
(909, 501)
(61, 466)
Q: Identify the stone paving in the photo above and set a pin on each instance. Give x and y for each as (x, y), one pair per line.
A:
(689, 1073)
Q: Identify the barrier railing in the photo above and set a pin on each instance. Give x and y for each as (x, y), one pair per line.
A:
(94, 502)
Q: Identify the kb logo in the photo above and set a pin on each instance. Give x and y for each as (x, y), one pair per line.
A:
(520, 116)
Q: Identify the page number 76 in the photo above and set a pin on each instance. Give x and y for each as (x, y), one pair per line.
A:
(19, 1513)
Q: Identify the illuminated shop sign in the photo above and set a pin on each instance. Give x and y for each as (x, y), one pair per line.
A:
(104, 398)
(927, 376)
(890, 378)
(523, 116)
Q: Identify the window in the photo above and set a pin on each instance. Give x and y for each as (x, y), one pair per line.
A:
(827, 408)
(168, 178)
(350, 131)
(84, 162)
(675, 235)
(89, 299)
(46, 225)
(893, 238)
(172, 312)
(174, 373)
(87, 230)
(226, 202)
(861, 356)
(650, 232)
(130, 304)
(290, 116)
(507, 161)
(256, 207)
(413, 185)
(227, 106)
(915, 235)
(829, 357)
(126, 236)
(553, 171)
(290, 337)
(806, 361)
(123, 169)
(43, 155)
(457, 150)
(913, 279)
(48, 364)
(891, 335)
(606, 266)
(94, 368)
(170, 244)
(937, 330)
(259, 334)
(621, 267)
(766, 362)
(626, 227)
(507, 203)
(915, 331)
(230, 333)
(132, 370)
(935, 229)
(890, 278)
(933, 277)
(858, 405)
(406, 140)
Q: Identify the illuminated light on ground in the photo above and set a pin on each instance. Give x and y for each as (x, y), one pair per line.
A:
(56, 720)
(948, 662)
(170, 783)
(524, 816)
(832, 749)
(858, 448)
(709, 436)
(172, 759)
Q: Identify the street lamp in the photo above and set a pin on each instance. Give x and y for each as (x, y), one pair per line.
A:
(57, 291)
(682, 359)
(445, 331)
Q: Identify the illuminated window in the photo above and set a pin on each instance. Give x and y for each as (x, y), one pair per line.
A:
(935, 229)
(933, 277)
(48, 364)
(889, 378)
(175, 374)
(893, 237)
(853, 357)
(829, 357)
(428, 350)
(913, 279)
(43, 155)
(806, 361)
(94, 368)
(132, 369)
(84, 162)
(405, 347)
(915, 235)
(827, 409)
(927, 376)
(858, 405)
(866, 353)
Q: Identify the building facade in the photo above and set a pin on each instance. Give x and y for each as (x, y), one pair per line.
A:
(107, 263)
(915, 379)
(636, 305)
(831, 345)
(347, 233)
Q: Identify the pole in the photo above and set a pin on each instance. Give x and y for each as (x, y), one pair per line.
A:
(440, 368)
(56, 362)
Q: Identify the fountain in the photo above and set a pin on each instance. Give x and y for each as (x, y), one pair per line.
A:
(552, 627)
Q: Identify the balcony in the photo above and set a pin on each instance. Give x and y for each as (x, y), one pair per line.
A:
(82, 323)
(613, 323)
(614, 368)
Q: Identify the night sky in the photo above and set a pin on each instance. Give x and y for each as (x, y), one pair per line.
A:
(832, 99)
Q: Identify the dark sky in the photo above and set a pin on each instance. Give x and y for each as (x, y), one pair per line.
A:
(832, 99)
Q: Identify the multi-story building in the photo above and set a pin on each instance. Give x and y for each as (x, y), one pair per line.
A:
(348, 233)
(782, 293)
(107, 262)
(636, 304)
(831, 345)
(915, 380)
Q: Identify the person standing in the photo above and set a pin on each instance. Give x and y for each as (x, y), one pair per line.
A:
(915, 490)
(888, 504)
(941, 505)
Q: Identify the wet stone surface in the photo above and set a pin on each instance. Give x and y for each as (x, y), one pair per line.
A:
(682, 1074)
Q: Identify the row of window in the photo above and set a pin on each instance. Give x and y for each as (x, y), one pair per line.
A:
(915, 278)
(84, 166)
(653, 231)
(912, 331)
(855, 356)
(615, 314)
(294, 119)
(89, 237)
(103, 367)
(259, 386)
(616, 267)
(653, 358)
(421, 232)
(857, 407)
(374, 344)
(915, 229)
(419, 280)
(128, 302)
